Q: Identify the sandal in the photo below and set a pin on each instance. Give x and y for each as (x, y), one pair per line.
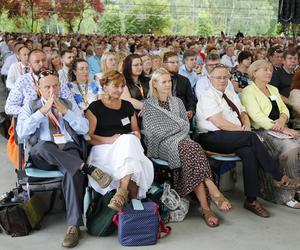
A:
(207, 215)
(118, 200)
(219, 201)
(287, 183)
(293, 204)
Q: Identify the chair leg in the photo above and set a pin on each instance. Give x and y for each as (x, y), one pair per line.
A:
(52, 201)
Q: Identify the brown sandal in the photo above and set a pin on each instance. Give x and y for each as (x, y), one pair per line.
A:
(219, 200)
(287, 183)
(207, 215)
(118, 200)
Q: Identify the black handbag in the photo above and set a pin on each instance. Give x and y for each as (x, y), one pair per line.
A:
(14, 221)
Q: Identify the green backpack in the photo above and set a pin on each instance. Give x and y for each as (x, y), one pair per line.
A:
(99, 217)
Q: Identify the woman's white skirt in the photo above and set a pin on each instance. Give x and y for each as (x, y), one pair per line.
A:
(124, 157)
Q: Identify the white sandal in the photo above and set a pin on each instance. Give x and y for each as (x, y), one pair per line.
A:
(292, 204)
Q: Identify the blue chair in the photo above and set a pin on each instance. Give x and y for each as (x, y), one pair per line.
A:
(225, 163)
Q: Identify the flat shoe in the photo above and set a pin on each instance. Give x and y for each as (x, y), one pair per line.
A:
(257, 208)
(208, 214)
(287, 183)
(293, 204)
(219, 202)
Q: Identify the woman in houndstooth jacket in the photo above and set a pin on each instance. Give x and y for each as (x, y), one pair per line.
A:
(166, 128)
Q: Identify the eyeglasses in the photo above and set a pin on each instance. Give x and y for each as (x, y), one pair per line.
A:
(45, 73)
(175, 62)
(220, 77)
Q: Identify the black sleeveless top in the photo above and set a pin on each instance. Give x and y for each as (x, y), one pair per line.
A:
(112, 121)
(274, 114)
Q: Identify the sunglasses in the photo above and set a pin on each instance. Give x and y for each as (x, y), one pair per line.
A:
(45, 73)
(219, 65)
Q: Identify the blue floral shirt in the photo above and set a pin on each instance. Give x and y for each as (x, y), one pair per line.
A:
(85, 94)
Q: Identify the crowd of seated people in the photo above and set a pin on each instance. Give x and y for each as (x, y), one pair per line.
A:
(238, 90)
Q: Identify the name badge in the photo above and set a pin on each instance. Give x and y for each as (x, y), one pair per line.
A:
(59, 138)
(273, 98)
(125, 121)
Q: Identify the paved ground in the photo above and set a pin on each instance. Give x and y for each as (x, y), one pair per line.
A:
(239, 228)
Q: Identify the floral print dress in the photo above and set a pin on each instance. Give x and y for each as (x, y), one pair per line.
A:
(85, 94)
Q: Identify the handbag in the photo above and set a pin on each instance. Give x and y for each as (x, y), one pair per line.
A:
(179, 206)
(19, 216)
(99, 217)
(14, 221)
(140, 225)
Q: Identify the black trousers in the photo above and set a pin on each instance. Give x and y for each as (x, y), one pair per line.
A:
(47, 156)
(250, 149)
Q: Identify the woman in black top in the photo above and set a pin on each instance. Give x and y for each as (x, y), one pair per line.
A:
(116, 138)
(137, 85)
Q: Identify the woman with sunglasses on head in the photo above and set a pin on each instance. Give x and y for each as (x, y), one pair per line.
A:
(117, 148)
(225, 128)
(166, 128)
(84, 91)
(268, 113)
(137, 86)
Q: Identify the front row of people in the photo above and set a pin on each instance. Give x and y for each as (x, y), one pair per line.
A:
(117, 159)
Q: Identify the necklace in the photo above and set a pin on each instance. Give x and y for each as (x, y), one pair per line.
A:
(140, 87)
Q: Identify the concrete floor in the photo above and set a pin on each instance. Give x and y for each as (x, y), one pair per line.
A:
(239, 228)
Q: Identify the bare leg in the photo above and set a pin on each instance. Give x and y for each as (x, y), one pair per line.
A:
(217, 197)
(132, 189)
(201, 195)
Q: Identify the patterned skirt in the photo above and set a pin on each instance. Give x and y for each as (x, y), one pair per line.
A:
(194, 167)
(287, 153)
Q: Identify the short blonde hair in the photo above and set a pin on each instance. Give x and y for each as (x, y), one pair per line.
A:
(155, 77)
(259, 64)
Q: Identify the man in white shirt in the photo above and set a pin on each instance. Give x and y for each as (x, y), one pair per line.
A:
(18, 69)
(67, 57)
(225, 128)
(229, 58)
(203, 82)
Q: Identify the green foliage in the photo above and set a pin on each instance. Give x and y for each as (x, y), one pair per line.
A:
(184, 17)
(204, 27)
(110, 22)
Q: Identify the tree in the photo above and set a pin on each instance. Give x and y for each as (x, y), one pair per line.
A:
(32, 9)
(110, 22)
(72, 12)
(205, 27)
(145, 16)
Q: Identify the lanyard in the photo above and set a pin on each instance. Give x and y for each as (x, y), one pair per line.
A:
(54, 120)
(83, 93)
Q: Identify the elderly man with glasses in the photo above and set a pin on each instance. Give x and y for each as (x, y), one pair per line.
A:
(203, 83)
